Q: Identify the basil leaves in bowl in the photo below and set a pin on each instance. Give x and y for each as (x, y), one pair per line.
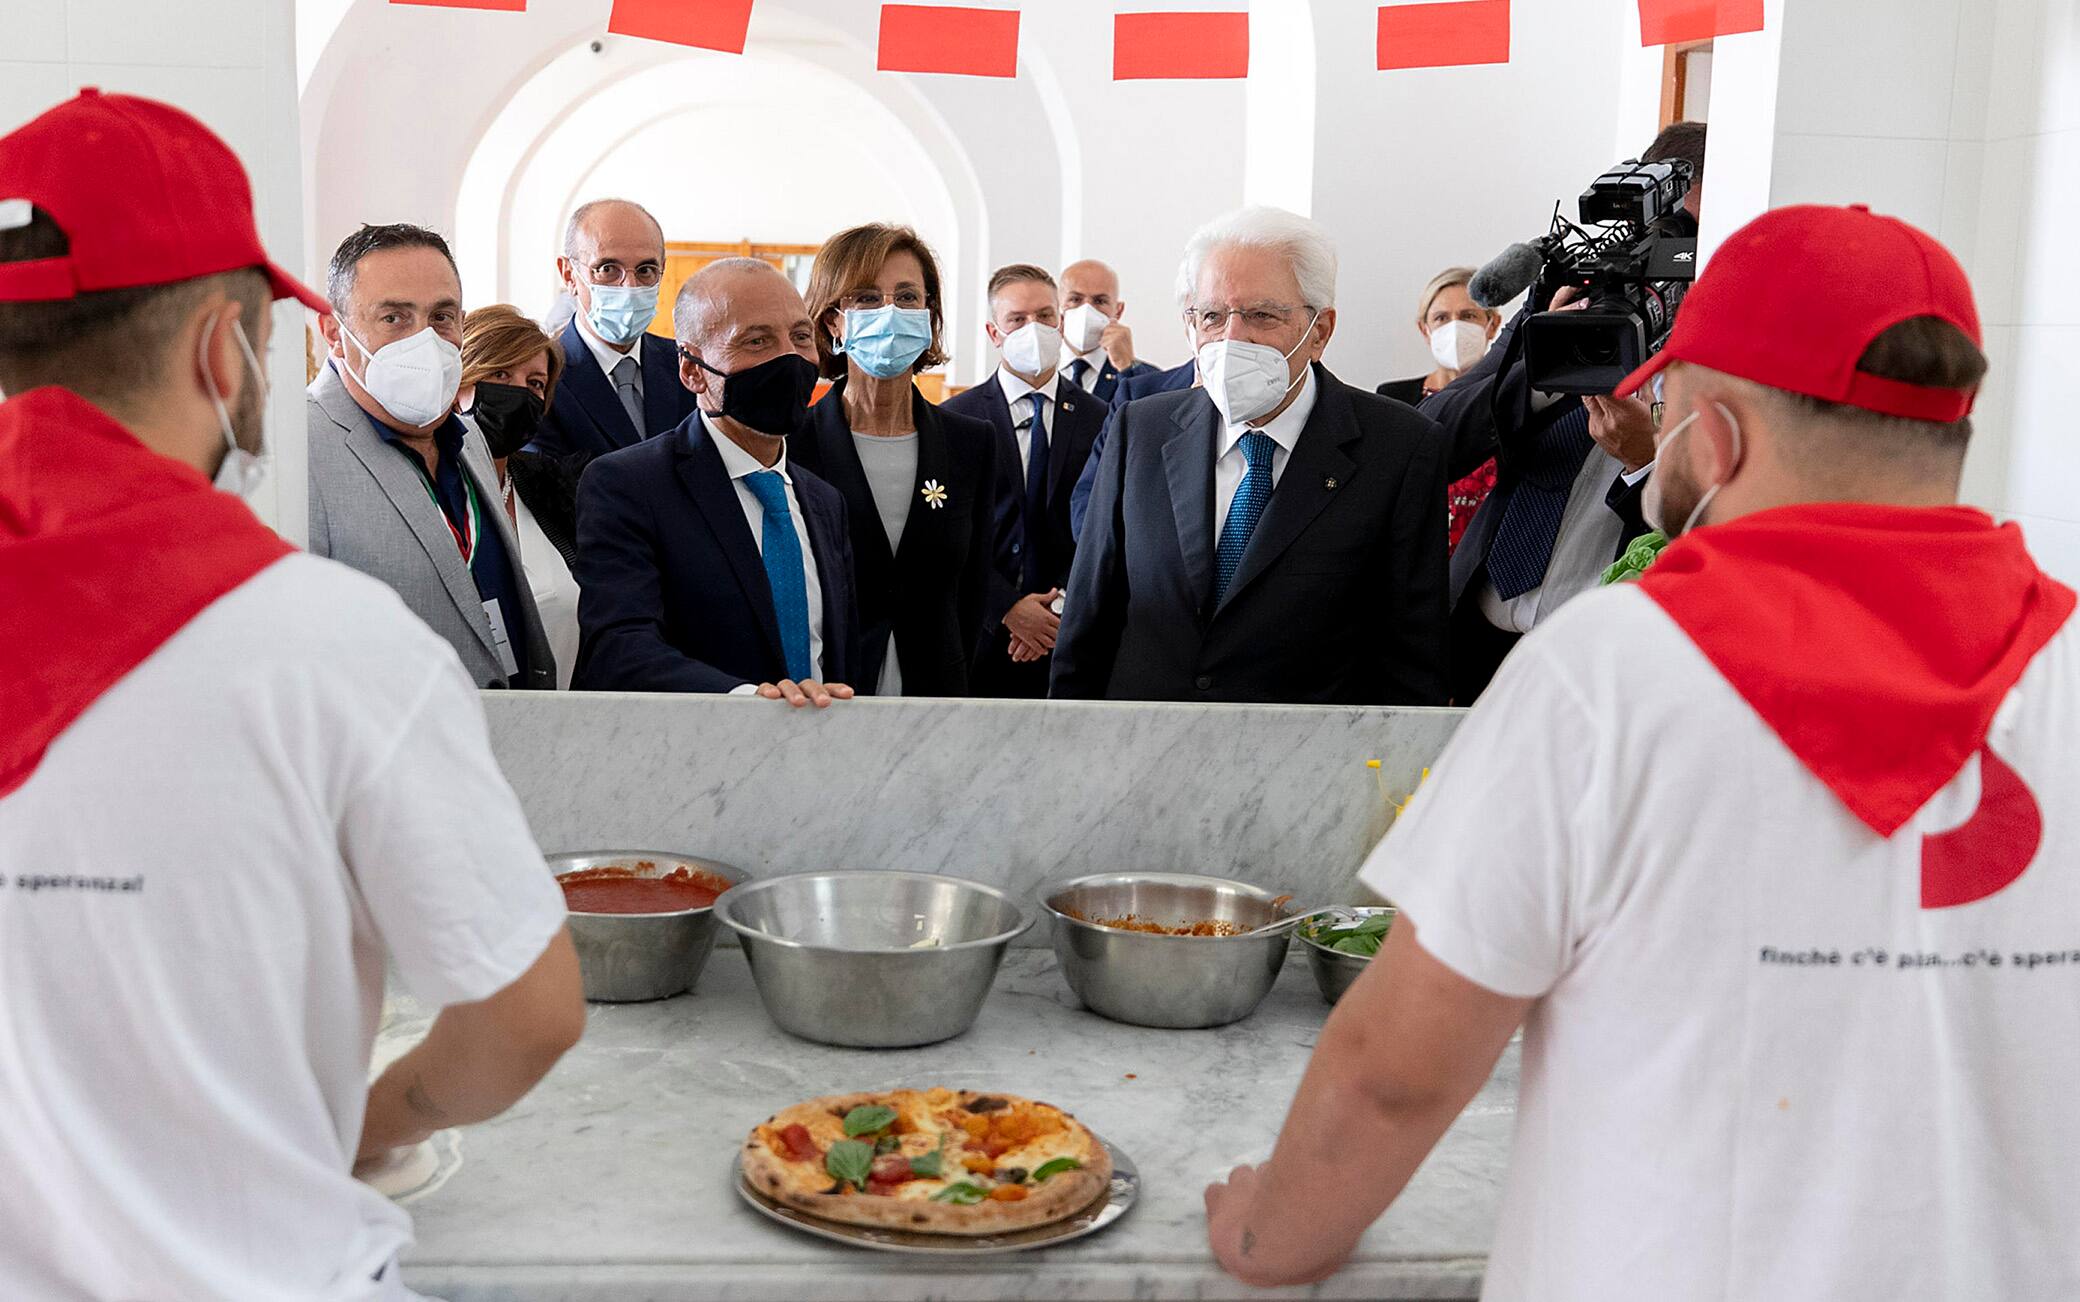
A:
(1340, 943)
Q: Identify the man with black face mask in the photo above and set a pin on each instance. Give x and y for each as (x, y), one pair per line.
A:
(706, 562)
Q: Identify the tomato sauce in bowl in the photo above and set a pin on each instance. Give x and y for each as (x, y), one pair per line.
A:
(639, 889)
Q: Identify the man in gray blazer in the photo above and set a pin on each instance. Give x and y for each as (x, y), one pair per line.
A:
(397, 491)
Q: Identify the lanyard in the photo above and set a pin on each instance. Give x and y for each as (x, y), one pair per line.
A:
(466, 543)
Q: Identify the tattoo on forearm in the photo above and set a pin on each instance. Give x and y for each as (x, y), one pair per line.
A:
(420, 1102)
(1249, 1241)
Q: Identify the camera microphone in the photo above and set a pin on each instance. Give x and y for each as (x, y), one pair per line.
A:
(1507, 275)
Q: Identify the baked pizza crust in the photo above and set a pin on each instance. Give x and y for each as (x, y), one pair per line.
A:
(805, 1185)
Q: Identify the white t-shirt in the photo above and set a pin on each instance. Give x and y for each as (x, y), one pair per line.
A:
(1726, 1095)
(202, 879)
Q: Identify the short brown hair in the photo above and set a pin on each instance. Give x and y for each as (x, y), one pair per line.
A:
(108, 346)
(1923, 350)
(499, 338)
(1018, 273)
(847, 263)
(1684, 140)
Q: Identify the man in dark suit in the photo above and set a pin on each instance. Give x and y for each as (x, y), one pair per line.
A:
(1097, 344)
(1146, 384)
(1570, 477)
(620, 383)
(1274, 535)
(705, 563)
(1045, 427)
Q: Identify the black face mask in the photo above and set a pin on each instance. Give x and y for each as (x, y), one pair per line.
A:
(769, 397)
(508, 416)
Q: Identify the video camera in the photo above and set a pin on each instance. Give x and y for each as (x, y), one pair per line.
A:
(1633, 253)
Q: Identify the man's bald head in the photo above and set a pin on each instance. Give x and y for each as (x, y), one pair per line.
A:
(1091, 281)
(735, 314)
(618, 224)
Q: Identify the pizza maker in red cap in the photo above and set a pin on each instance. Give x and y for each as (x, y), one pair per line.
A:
(1794, 298)
(145, 194)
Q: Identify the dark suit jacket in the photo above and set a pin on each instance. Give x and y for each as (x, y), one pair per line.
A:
(1142, 385)
(930, 591)
(586, 418)
(550, 490)
(673, 595)
(1341, 595)
(1107, 382)
(1078, 418)
(1487, 413)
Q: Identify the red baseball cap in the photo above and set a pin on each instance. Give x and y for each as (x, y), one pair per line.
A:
(1792, 300)
(145, 194)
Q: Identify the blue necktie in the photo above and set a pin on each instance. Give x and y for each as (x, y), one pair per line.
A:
(1036, 492)
(1523, 546)
(1251, 497)
(783, 556)
(1077, 370)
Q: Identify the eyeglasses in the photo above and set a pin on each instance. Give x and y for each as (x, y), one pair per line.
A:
(867, 300)
(1261, 319)
(645, 274)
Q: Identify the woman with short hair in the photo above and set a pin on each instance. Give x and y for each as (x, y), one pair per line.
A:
(919, 483)
(509, 374)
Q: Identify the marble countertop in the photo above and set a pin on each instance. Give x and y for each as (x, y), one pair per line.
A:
(612, 1180)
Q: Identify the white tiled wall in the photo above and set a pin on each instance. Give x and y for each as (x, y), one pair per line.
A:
(1963, 116)
(232, 64)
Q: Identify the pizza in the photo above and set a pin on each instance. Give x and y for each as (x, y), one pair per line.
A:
(937, 1161)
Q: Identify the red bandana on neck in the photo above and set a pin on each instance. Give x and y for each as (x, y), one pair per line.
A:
(106, 550)
(1876, 641)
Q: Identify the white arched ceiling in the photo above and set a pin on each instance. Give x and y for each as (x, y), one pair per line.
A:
(1280, 117)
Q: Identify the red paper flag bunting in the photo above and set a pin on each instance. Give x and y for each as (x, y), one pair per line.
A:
(939, 38)
(1180, 45)
(1444, 35)
(1671, 22)
(703, 24)
(502, 6)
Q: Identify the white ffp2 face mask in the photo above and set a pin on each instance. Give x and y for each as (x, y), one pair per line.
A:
(414, 379)
(1246, 381)
(1033, 349)
(1456, 345)
(1651, 502)
(241, 471)
(1083, 326)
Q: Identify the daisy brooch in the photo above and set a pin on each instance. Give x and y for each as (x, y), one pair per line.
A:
(934, 495)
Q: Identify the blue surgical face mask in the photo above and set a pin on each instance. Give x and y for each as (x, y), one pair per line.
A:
(621, 313)
(886, 341)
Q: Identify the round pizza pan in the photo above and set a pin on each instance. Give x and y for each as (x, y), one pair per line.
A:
(1108, 1208)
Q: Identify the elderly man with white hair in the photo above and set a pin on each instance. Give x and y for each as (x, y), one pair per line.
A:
(1274, 534)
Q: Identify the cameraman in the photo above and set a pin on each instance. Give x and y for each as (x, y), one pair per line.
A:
(1569, 474)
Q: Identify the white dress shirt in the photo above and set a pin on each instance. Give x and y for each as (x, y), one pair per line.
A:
(1230, 466)
(549, 581)
(1015, 391)
(740, 465)
(608, 357)
(1096, 357)
(1583, 549)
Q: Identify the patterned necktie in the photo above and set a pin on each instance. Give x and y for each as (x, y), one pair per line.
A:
(1036, 492)
(783, 557)
(1530, 524)
(1251, 497)
(626, 372)
(1077, 370)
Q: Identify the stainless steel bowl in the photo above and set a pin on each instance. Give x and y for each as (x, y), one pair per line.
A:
(872, 960)
(1149, 979)
(1334, 970)
(630, 957)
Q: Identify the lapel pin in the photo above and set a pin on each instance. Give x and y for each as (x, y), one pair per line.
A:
(1330, 483)
(934, 495)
